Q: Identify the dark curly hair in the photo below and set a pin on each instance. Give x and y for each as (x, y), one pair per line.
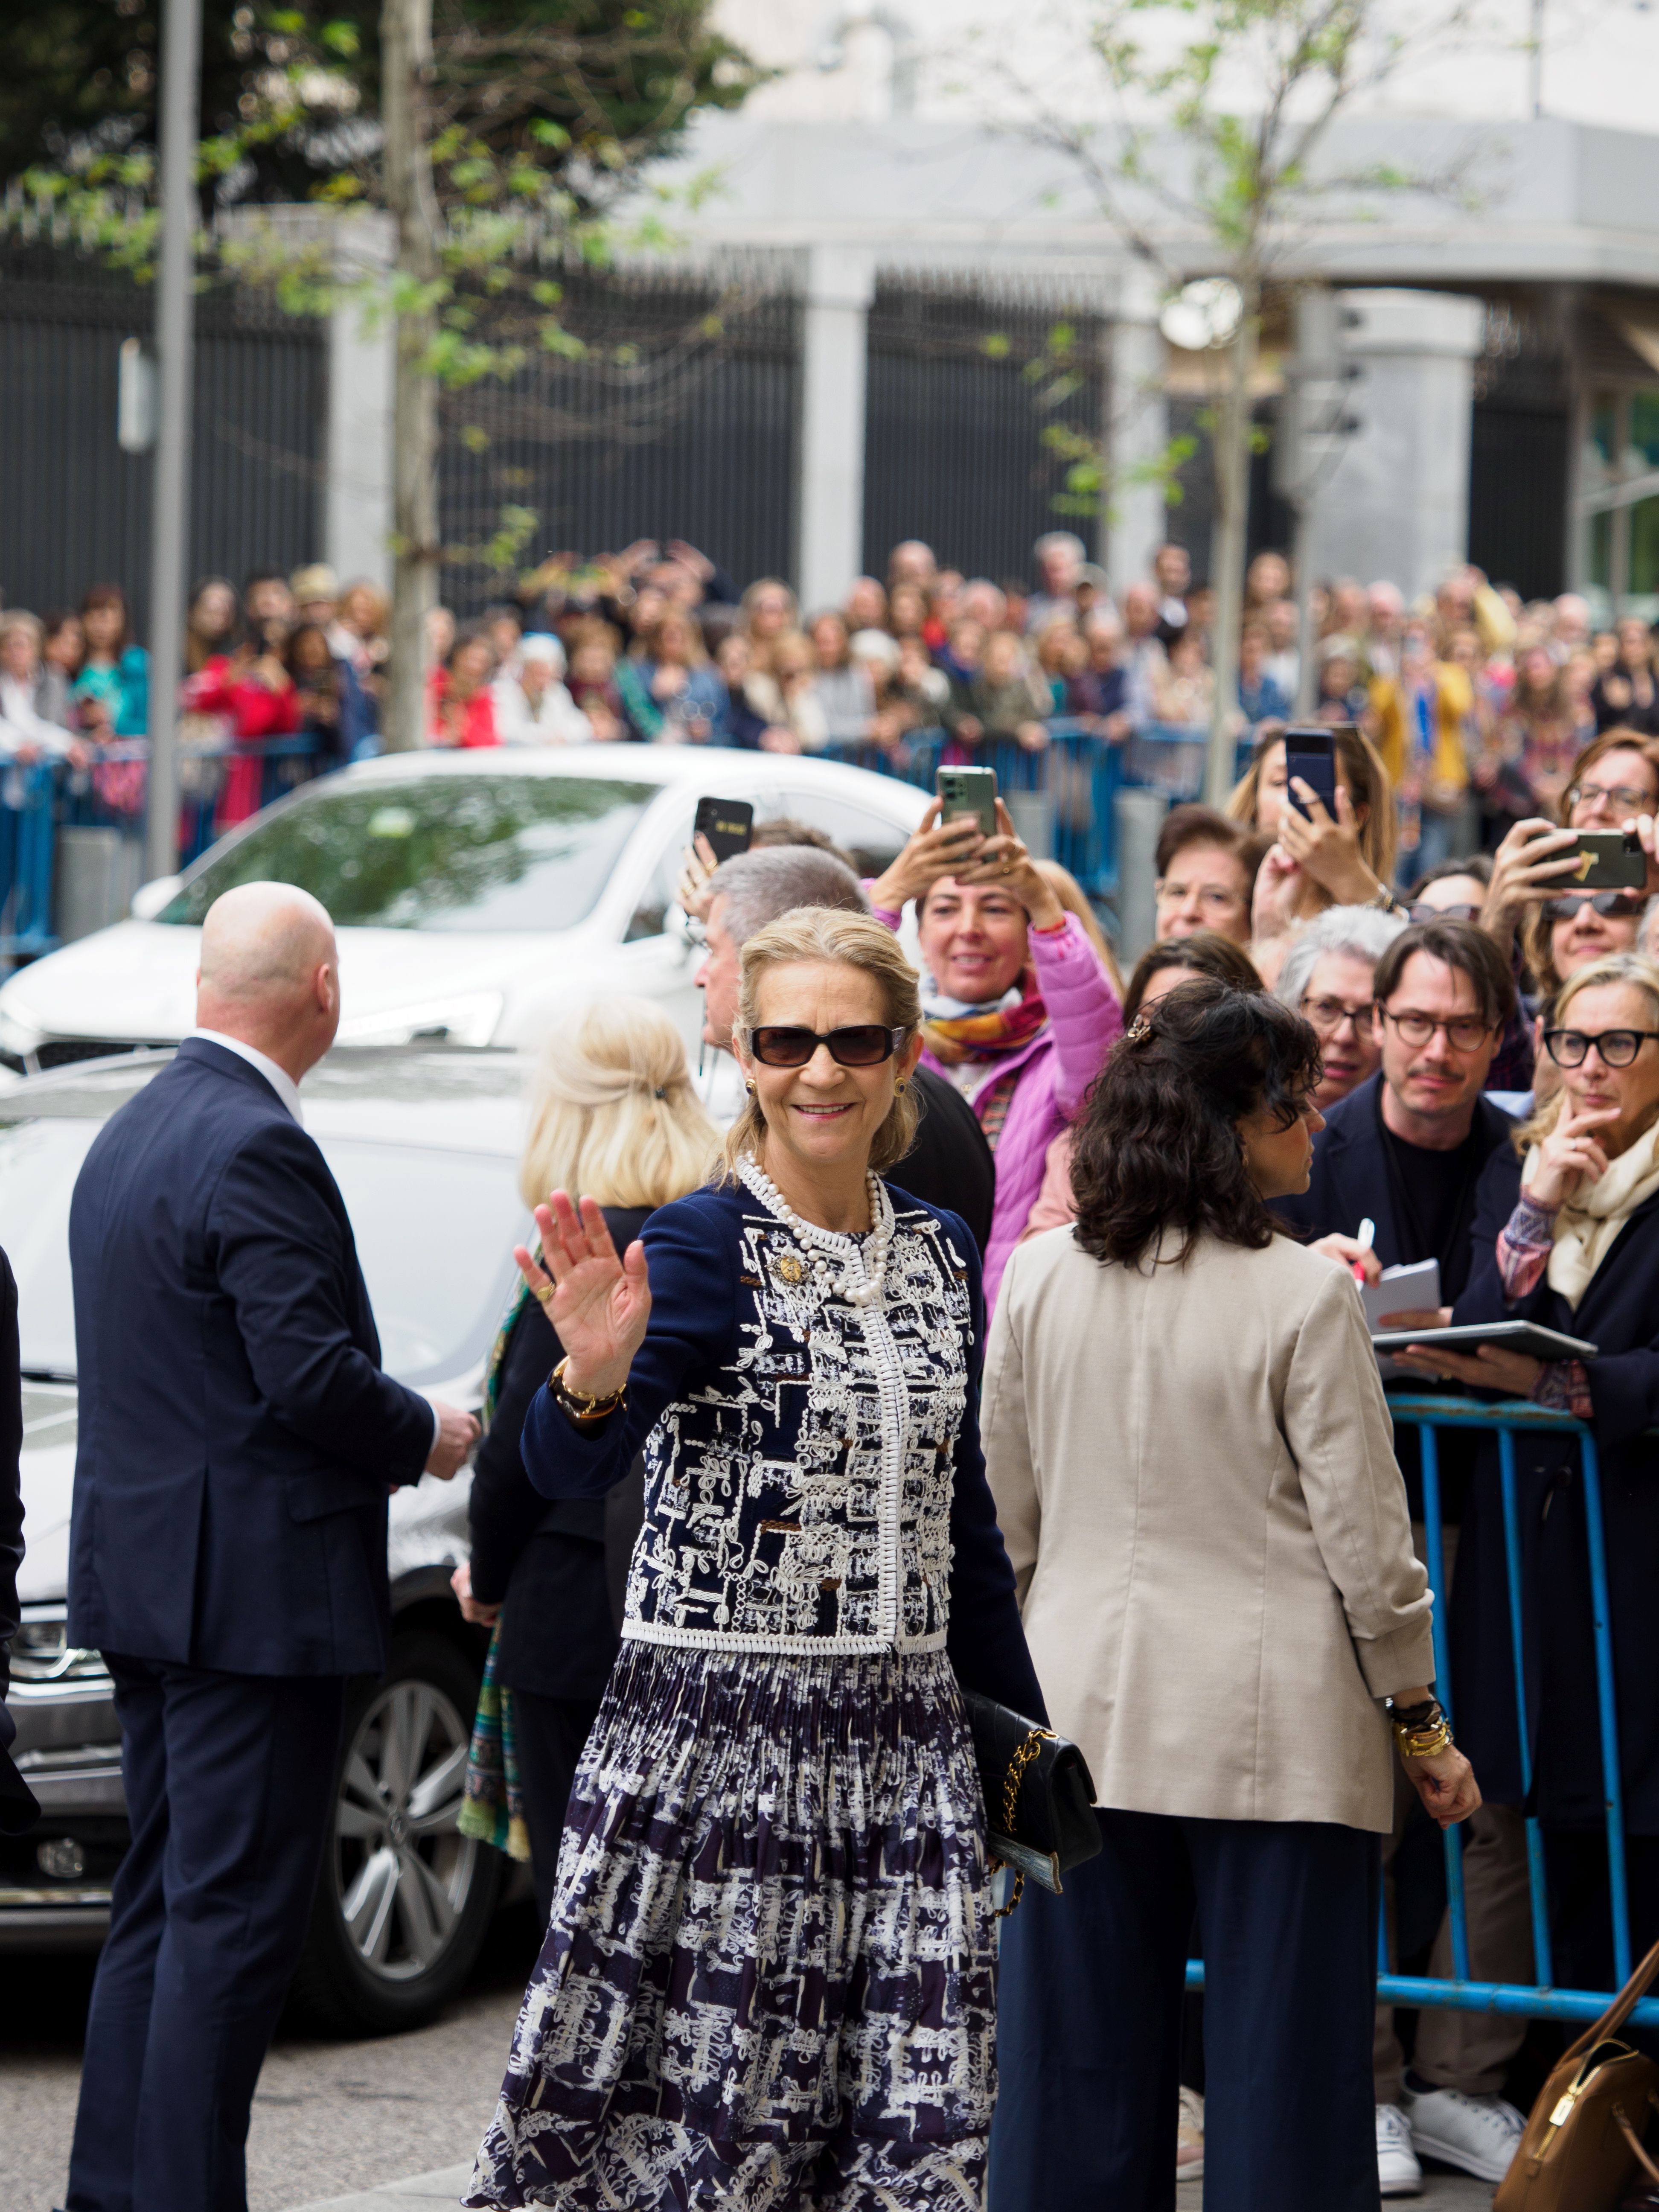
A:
(1157, 1147)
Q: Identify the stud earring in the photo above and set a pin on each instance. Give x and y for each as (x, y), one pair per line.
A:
(750, 1088)
(898, 1088)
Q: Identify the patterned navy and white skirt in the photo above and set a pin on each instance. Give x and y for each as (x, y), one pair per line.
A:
(769, 1978)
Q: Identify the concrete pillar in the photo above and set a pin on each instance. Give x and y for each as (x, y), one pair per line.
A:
(1136, 430)
(1396, 505)
(840, 282)
(357, 498)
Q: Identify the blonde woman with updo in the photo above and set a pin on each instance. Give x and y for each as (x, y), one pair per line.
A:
(613, 1117)
(769, 1978)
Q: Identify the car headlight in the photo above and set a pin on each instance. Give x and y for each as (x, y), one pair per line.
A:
(469, 1018)
(41, 1651)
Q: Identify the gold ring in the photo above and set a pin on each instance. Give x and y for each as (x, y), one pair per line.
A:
(545, 1293)
(1007, 867)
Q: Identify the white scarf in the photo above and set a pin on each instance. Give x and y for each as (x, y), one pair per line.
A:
(1587, 1224)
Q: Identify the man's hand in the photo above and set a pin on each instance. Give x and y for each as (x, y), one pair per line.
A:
(1351, 1253)
(457, 1434)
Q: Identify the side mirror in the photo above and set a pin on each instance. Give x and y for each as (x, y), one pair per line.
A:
(150, 898)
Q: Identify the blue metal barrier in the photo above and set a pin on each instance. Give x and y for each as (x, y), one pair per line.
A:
(1539, 2000)
(109, 793)
(1078, 771)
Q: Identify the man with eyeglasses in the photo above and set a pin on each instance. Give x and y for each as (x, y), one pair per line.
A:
(1406, 1151)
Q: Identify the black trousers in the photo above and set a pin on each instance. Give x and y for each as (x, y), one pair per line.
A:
(1088, 2016)
(229, 1780)
(550, 1733)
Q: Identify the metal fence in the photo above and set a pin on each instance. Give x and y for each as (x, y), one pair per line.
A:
(1538, 2000)
(74, 507)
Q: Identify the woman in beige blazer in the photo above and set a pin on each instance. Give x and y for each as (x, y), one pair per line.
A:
(1192, 1466)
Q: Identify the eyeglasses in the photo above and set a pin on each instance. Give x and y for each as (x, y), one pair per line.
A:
(1464, 1032)
(1327, 1015)
(1623, 798)
(1610, 904)
(1618, 1048)
(864, 1044)
(1424, 912)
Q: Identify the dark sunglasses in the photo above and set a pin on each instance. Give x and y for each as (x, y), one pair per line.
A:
(865, 1044)
(1618, 1048)
(1610, 904)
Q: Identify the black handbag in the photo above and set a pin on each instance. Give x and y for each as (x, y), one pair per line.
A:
(1039, 1796)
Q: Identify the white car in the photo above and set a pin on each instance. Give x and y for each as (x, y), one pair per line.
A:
(472, 891)
(425, 1149)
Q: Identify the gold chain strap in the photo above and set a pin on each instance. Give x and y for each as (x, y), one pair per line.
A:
(1010, 1787)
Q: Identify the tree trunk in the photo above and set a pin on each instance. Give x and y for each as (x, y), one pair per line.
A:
(1231, 441)
(406, 61)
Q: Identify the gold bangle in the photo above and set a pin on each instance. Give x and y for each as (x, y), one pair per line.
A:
(578, 1403)
(1424, 1743)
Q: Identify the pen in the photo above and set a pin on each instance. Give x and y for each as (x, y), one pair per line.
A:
(1367, 1238)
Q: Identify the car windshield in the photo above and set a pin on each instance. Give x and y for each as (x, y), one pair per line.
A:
(444, 852)
(458, 1211)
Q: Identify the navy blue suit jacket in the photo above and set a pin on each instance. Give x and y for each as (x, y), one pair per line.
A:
(1351, 1181)
(237, 1437)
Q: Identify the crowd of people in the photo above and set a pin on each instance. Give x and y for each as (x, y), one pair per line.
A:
(1475, 702)
(982, 1329)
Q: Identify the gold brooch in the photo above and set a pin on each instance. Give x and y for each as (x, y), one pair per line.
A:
(789, 1268)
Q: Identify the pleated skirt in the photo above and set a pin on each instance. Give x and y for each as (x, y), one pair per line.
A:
(768, 1980)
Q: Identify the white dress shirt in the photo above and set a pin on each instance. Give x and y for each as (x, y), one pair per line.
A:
(288, 1091)
(278, 1077)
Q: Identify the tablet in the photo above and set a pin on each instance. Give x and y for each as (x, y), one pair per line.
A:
(1538, 1343)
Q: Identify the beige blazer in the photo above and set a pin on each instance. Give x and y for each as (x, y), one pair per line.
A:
(1194, 1468)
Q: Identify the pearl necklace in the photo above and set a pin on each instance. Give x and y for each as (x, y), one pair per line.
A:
(819, 1244)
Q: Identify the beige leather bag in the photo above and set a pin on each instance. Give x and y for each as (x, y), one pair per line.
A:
(1583, 2138)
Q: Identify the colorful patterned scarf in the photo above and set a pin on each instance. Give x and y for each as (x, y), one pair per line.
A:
(493, 1808)
(956, 1032)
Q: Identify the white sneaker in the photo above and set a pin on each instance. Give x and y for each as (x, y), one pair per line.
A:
(1477, 2135)
(1189, 2137)
(1398, 2173)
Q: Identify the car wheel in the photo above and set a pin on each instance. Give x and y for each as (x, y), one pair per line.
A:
(404, 1901)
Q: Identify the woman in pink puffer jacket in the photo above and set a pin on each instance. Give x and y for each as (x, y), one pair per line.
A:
(1020, 1014)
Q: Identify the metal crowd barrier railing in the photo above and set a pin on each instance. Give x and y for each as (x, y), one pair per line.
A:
(1538, 2000)
(39, 800)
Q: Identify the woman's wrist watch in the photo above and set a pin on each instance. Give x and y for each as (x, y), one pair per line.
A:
(578, 1403)
(1384, 901)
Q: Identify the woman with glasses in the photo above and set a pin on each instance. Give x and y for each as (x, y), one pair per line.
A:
(1327, 979)
(1567, 1234)
(768, 1979)
(1613, 785)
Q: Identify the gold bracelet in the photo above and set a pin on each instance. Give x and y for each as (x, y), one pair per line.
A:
(1424, 1743)
(578, 1403)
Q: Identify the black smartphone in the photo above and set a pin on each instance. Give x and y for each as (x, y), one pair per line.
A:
(727, 824)
(1311, 754)
(968, 795)
(1608, 861)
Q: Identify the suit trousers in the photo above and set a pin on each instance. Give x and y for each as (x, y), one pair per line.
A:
(229, 1780)
(1088, 2016)
(550, 1733)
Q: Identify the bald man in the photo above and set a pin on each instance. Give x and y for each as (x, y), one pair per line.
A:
(228, 1548)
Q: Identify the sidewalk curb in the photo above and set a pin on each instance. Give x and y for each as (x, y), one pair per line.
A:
(420, 2192)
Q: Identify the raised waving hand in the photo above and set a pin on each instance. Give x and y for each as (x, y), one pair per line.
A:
(598, 1303)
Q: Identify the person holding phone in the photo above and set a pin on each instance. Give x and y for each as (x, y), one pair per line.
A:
(1318, 858)
(1020, 1014)
(1567, 1234)
(1613, 785)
